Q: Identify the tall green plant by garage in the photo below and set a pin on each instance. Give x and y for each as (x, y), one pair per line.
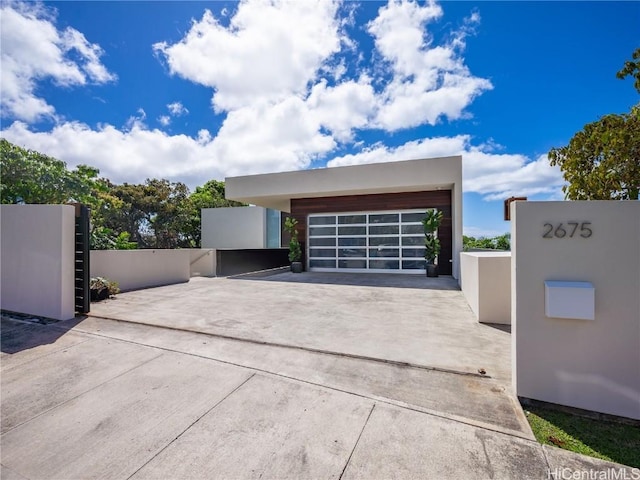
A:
(431, 222)
(295, 251)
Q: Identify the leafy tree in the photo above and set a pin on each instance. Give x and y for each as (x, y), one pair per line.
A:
(28, 176)
(130, 215)
(501, 242)
(169, 209)
(155, 214)
(103, 238)
(602, 161)
(123, 243)
(212, 195)
(632, 67)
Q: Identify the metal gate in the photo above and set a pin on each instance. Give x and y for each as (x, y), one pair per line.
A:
(81, 258)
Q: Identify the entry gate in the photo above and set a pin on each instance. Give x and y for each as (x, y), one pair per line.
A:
(82, 272)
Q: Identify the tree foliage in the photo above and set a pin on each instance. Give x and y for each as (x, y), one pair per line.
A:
(602, 161)
(501, 242)
(632, 67)
(154, 214)
(27, 176)
(103, 238)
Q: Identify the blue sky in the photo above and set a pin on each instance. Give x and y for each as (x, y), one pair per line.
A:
(191, 91)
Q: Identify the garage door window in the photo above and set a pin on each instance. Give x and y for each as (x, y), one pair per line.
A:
(371, 241)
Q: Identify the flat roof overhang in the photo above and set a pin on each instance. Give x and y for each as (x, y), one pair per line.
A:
(275, 190)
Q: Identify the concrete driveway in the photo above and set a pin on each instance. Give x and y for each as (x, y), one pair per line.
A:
(100, 398)
(409, 319)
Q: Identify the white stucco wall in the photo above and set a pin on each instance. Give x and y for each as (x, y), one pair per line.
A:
(485, 279)
(202, 262)
(274, 190)
(234, 227)
(456, 232)
(136, 269)
(38, 259)
(590, 364)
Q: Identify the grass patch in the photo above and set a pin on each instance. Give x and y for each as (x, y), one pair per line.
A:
(610, 441)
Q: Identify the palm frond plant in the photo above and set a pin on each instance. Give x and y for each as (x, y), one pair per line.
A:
(295, 251)
(431, 222)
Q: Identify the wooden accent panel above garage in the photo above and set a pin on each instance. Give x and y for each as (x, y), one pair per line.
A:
(440, 199)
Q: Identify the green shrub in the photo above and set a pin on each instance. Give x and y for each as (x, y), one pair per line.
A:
(295, 251)
(102, 288)
(431, 222)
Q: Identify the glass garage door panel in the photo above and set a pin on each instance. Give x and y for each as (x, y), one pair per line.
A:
(316, 263)
(322, 220)
(352, 219)
(322, 242)
(352, 242)
(367, 241)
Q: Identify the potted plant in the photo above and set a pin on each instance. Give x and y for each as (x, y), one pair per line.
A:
(101, 288)
(295, 252)
(431, 222)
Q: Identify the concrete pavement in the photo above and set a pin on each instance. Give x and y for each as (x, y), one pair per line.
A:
(400, 318)
(132, 404)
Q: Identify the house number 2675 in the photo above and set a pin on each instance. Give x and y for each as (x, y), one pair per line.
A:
(568, 229)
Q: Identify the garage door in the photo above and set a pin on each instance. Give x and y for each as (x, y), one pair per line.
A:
(367, 242)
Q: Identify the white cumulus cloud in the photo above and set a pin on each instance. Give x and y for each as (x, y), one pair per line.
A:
(343, 107)
(125, 156)
(33, 49)
(495, 176)
(281, 74)
(269, 51)
(428, 81)
(177, 109)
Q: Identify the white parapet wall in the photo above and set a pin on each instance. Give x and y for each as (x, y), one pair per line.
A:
(234, 227)
(136, 269)
(38, 260)
(576, 304)
(485, 279)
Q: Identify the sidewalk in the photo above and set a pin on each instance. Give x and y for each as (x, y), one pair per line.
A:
(99, 398)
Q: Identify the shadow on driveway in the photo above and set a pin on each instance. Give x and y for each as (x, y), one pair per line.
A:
(18, 336)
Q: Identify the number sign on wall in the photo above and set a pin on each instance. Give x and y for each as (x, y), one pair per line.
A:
(567, 230)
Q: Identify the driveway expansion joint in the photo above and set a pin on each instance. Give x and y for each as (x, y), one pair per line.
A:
(305, 349)
(528, 435)
(192, 424)
(84, 392)
(357, 441)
